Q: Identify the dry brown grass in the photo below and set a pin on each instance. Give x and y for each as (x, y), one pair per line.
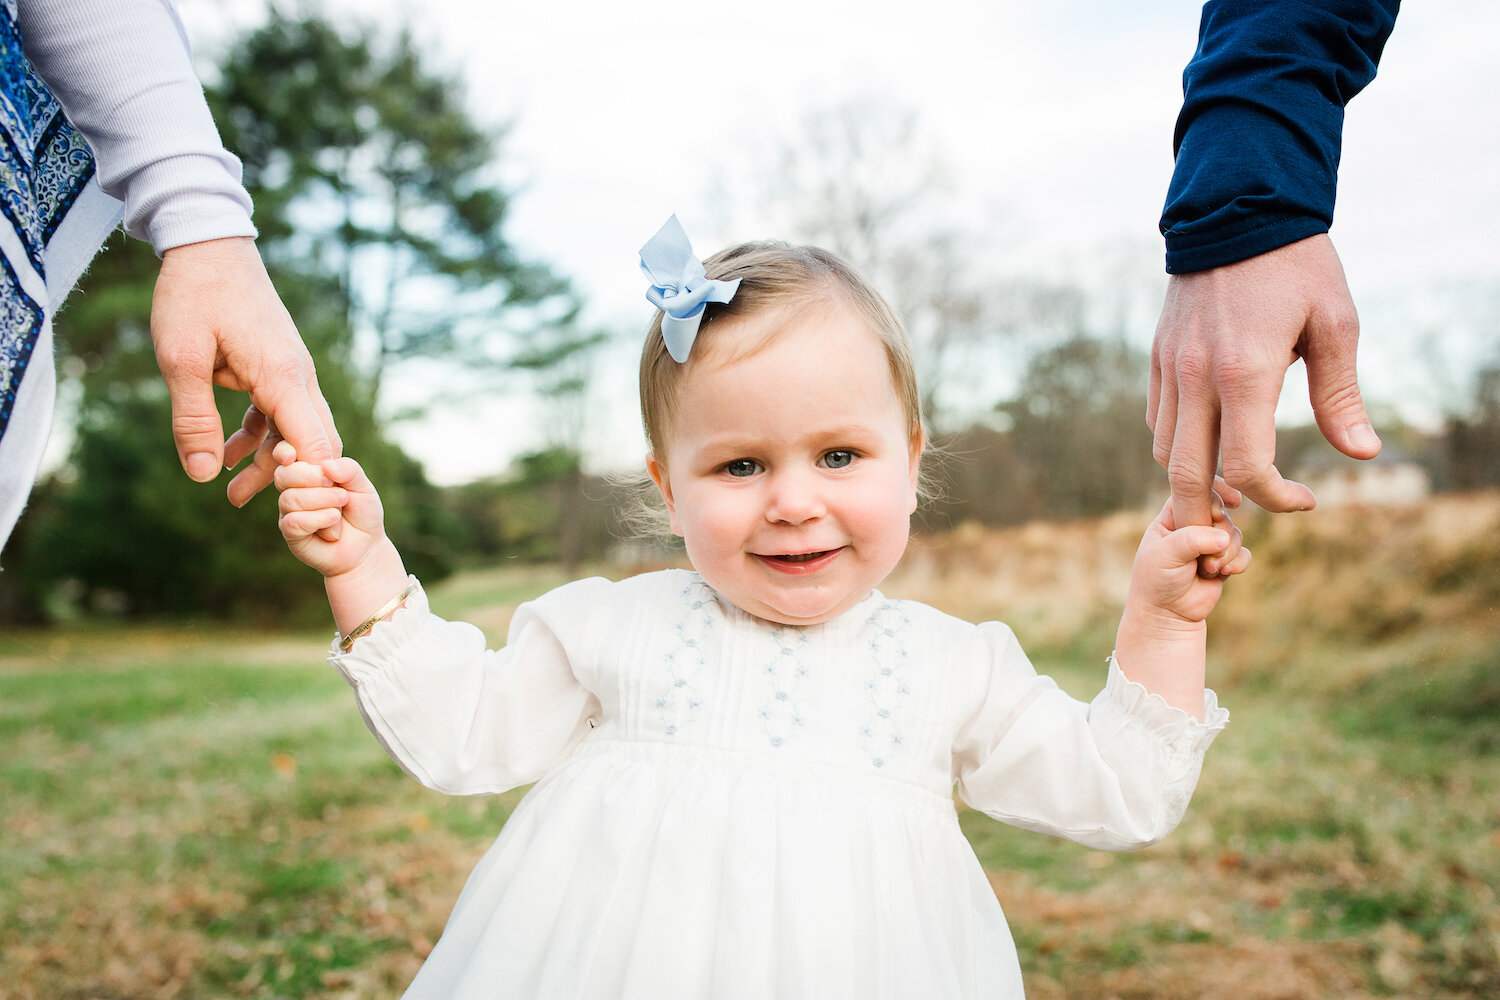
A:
(1048, 580)
(1345, 841)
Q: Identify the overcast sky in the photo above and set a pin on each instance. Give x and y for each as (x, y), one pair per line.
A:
(1055, 116)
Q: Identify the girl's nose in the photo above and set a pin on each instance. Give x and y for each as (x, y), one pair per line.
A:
(795, 497)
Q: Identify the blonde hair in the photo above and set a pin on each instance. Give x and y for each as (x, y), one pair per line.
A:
(773, 276)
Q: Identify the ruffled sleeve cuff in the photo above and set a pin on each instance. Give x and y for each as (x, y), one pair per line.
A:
(1170, 725)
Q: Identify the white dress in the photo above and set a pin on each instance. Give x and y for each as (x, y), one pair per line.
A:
(728, 808)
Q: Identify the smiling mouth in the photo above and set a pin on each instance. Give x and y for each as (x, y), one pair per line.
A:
(802, 557)
(800, 563)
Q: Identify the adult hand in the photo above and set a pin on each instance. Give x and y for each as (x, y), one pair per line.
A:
(217, 320)
(1223, 345)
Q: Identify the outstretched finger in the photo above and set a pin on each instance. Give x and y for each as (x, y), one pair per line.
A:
(1190, 467)
(301, 415)
(325, 414)
(1211, 565)
(1249, 458)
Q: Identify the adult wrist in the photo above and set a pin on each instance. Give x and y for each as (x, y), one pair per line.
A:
(1190, 252)
(215, 248)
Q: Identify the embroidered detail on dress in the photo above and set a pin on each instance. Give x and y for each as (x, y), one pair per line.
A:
(886, 687)
(784, 673)
(677, 706)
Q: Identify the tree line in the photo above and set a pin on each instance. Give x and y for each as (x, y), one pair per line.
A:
(375, 198)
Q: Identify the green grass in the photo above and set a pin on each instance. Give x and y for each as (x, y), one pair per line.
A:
(78, 706)
(181, 792)
(1451, 709)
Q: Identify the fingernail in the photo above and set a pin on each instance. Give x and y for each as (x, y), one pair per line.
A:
(1363, 436)
(201, 466)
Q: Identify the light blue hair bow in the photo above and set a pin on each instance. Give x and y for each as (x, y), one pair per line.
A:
(679, 287)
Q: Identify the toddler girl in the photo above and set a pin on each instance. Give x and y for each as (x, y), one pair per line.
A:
(745, 772)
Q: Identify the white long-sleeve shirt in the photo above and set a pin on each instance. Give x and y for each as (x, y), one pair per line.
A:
(122, 71)
(123, 74)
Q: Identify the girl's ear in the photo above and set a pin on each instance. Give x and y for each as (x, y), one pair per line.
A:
(658, 473)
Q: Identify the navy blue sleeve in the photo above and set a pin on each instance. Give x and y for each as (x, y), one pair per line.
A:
(1257, 141)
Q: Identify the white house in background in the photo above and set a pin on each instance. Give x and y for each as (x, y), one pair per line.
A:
(1390, 479)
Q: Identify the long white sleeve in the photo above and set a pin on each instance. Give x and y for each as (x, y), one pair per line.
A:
(463, 719)
(1116, 773)
(123, 73)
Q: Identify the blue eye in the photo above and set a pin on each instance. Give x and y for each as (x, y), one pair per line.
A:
(838, 459)
(741, 468)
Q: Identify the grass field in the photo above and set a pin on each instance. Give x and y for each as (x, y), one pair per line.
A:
(190, 812)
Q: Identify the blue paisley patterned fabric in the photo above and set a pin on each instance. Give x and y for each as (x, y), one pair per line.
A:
(44, 165)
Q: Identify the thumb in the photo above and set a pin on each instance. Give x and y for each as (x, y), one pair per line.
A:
(346, 472)
(1333, 386)
(195, 419)
(364, 509)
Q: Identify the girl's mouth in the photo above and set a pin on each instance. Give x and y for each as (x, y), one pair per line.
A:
(800, 562)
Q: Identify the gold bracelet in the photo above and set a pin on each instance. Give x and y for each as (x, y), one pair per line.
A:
(359, 631)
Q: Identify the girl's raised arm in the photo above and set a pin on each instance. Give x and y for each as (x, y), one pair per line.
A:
(1162, 639)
